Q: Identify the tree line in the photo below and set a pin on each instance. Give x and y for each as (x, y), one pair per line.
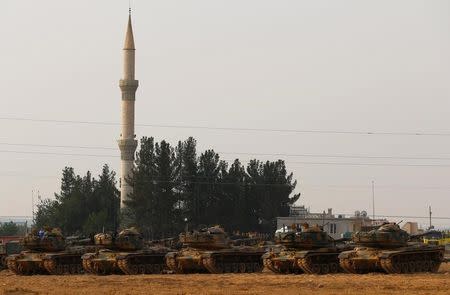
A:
(12, 229)
(174, 187)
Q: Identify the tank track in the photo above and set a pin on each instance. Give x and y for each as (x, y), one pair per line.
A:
(349, 267)
(213, 266)
(412, 262)
(285, 267)
(53, 267)
(406, 262)
(24, 269)
(99, 268)
(128, 267)
(320, 263)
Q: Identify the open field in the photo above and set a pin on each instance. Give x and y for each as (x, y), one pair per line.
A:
(265, 283)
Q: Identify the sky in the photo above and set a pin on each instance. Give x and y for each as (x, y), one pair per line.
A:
(352, 66)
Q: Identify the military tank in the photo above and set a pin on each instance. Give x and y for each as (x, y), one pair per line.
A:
(387, 249)
(124, 253)
(68, 261)
(210, 250)
(310, 250)
(36, 246)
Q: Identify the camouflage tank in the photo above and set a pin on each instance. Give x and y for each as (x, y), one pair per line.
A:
(387, 249)
(124, 254)
(36, 245)
(311, 250)
(68, 261)
(210, 250)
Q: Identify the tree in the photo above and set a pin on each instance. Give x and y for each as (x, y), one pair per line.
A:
(9, 229)
(83, 205)
(269, 188)
(188, 172)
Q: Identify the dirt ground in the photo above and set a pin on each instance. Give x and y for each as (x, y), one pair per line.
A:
(263, 283)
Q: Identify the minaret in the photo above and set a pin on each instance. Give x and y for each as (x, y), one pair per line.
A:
(128, 85)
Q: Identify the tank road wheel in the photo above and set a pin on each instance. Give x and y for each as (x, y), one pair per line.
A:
(315, 268)
(404, 267)
(345, 264)
(412, 266)
(324, 268)
(24, 270)
(227, 268)
(141, 269)
(434, 266)
(235, 267)
(98, 269)
(52, 267)
(242, 267)
(257, 267)
(334, 267)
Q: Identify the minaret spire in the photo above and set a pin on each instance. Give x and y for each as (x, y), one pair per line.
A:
(129, 38)
(128, 85)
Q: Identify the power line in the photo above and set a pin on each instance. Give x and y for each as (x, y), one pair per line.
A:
(298, 131)
(290, 162)
(60, 146)
(245, 153)
(57, 154)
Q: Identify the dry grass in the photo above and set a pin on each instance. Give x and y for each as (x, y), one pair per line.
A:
(196, 284)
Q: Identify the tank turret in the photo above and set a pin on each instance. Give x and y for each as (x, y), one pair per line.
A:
(206, 238)
(309, 238)
(127, 240)
(388, 235)
(44, 240)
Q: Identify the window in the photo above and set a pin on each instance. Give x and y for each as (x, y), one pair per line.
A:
(333, 228)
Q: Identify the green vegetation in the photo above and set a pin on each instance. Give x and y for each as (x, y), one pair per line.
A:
(12, 229)
(174, 187)
(84, 204)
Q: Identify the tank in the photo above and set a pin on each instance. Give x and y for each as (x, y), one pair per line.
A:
(125, 254)
(68, 261)
(36, 245)
(7, 249)
(388, 249)
(310, 250)
(210, 250)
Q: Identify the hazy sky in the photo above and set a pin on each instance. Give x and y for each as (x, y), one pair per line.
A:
(381, 66)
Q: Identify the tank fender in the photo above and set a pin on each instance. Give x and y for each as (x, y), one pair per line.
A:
(87, 255)
(301, 254)
(345, 255)
(386, 254)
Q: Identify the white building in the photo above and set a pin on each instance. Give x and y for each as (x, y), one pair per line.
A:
(337, 225)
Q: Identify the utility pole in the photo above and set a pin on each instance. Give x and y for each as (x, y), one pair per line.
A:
(32, 205)
(429, 209)
(373, 200)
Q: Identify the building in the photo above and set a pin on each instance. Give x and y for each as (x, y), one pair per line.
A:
(336, 225)
(6, 239)
(128, 85)
(411, 228)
